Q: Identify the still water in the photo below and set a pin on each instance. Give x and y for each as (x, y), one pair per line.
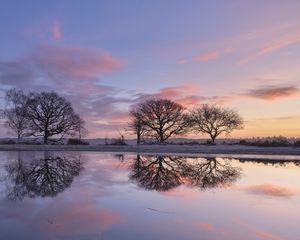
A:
(65, 195)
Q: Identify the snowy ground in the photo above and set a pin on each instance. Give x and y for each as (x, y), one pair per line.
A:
(162, 149)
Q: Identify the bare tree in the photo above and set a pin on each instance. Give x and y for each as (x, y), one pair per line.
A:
(136, 125)
(120, 140)
(80, 127)
(161, 118)
(51, 114)
(15, 116)
(215, 120)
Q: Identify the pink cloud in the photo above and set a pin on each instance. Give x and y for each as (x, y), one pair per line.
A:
(76, 62)
(213, 54)
(59, 63)
(274, 92)
(119, 117)
(267, 235)
(56, 31)
(73, 72)
(170, 92)
(208, 56)
(190, 100)
(185, 94)
(277, 45)
(178, 93)
(182, 61)
(228, 50)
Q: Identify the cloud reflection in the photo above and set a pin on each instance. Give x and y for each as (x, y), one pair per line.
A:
(272, 190)
(75, 219)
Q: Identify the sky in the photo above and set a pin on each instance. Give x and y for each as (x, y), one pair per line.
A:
(107, 56)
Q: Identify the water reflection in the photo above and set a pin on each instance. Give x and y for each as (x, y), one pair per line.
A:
(103, 204)
(162, 173)
(48, 174)
(212, 173)
(44, 176)
(157, 173)
(272, 162)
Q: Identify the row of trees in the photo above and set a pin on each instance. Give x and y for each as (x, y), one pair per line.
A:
(44, 114)
(163, 118)
(47, 114)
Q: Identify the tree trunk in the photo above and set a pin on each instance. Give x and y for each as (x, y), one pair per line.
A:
(138, 139)
(161, 136)
(213, 138)
(45, 139)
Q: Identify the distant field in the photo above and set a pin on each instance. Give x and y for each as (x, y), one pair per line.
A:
(160, 149)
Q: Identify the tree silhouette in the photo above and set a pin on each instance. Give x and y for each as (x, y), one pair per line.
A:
(214, 120)
(51, 114)
(156, 173)
(80, 127)
(45, 177)
(16, 115)
(212, 173)
(136, 125)
(162, 173)
(160, 118)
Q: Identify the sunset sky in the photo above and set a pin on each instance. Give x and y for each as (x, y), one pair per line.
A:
(105, 56)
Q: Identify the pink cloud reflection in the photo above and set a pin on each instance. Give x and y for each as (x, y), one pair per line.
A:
(56, 31)
(271, 189)
(204, 226)
(79, 219)
(181, 192)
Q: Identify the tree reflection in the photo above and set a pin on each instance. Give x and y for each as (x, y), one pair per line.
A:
(212, 173)
(42, 177)
(272, 162)
(159, 173)
(163, 173)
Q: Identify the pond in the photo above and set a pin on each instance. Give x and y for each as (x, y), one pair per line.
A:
(89, 195)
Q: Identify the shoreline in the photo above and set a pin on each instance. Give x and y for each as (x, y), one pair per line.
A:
(161, 149)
